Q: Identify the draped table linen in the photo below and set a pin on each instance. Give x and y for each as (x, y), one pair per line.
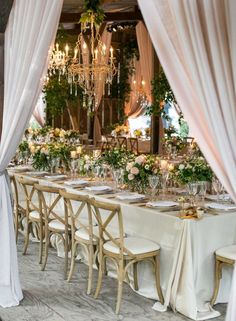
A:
(186, 259)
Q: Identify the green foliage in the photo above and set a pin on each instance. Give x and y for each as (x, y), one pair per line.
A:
(162, 94)
(116, 158)
(57, 95)
(92, 7)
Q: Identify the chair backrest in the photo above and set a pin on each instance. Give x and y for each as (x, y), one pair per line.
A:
(14, 190)
(74, 205)
(111, 141)
(122, 142)
(49, 198)
(30, 194)
(109, 216)
(133, 141)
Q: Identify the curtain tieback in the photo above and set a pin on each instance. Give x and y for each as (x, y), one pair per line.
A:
(4, 172)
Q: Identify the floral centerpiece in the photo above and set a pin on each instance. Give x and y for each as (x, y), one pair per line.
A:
(138, 170)
(121, 130)
(138, 133)
(193, 170)
(116, 158)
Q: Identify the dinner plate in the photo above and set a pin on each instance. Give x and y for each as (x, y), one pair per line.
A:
(99, 189)
(221, 207)
(55, 177)
(77, 182)
(130, 196)
(163, 205)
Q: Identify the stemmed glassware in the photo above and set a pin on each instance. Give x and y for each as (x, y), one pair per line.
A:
(73, 167)
(192, 189)
(153, 183)
(164, 179)
(202, 188)
(217, 186)
(55, 162)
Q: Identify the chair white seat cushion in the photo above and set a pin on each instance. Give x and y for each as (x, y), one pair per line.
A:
(55, 224)
(134, 245)
(229, 252)
(34, 215)
(83, 234)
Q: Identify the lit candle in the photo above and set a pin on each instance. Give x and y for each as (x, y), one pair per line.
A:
(143, 83)
(111, 51)
(96, 54)
(171, 167)
(84, 46)
(104, 49)
(57, 46)
(67, 49)
(75, 53)
(79, 150)
(164, 164)
(73, 154)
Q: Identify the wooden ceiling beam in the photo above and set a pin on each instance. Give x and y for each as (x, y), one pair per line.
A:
(109, 16)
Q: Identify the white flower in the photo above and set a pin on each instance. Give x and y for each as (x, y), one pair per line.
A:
(147, 167)
(155, 171)
(86, 157)
(44, 151)
(87, 166)
(129, 166)
(181, 166)
(130, 177)
(140, 159)
(134, 170)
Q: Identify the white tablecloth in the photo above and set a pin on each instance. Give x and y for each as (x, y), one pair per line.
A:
(187, 260)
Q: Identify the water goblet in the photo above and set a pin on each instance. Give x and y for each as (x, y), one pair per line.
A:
(73, 167)
(116, 176)
(192, 189)
(217, 186)
(153, 182)
(164, 179)
(202, 188)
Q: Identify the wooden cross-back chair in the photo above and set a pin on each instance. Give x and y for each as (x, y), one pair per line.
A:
(111, 141)
(133, 142)
(31, 210)
(83, 231)
(18, 208)
(121, 142)
(55, 220)
(123, 251)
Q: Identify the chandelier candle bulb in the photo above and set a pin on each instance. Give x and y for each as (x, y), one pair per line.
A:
(96, 54)
(104, 50)
(73, 154)
(75, 53)
(111, 51)
(67, 49)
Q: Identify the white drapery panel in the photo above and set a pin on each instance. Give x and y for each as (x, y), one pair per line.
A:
(196, 44)
(31, 29)
(146, 58)
(39, 111)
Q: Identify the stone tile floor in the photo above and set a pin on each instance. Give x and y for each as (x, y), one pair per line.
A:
(48, 297)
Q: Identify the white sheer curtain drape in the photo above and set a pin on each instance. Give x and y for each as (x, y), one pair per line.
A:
(196, 44)
(39, 111)
(31, 29)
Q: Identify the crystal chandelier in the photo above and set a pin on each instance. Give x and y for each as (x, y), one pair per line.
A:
(92, 63)
(57, 60)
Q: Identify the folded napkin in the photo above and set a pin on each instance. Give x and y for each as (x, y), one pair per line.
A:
(54, 177)
(76, 182)
(162, 204)
(37, 173)
(219, 206)
(99, 188)
(130, 196)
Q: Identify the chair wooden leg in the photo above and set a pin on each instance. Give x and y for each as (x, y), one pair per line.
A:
(100, 275)
(157, 276)
(218, 275)
(40, 242)
(66, 256)
(90, 274)
(73, 256)
(135, 275)
(27, 232)
(120, 286)
(46, 246)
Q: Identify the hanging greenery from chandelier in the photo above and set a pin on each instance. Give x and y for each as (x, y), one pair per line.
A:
(92, 6)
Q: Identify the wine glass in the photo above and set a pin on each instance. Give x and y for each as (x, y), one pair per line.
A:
(217, 186)
(73, 167)
(153, 182)
(116, 176)
(202, 188)
(164, 179)
(192, 189)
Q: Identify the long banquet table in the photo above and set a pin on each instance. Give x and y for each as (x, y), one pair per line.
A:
(186, 259)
